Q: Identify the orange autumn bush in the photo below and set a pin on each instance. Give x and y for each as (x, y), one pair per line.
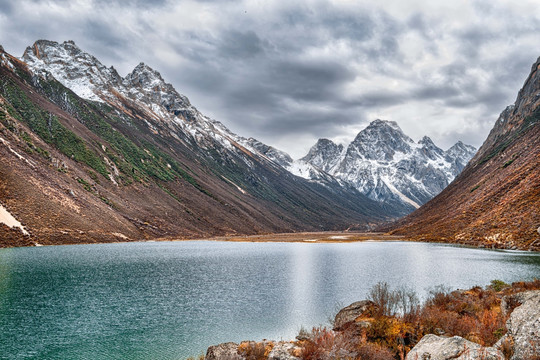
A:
(401, 322)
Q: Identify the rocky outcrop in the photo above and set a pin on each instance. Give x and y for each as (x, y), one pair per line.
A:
(433, 347)
(253, 350)
(522, 341)
(523, 325)
(283, 351)
(350, 314)
(510, 302)
(225, 351)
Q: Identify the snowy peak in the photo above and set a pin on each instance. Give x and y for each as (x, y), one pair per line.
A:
(144, 76)
(460, 149)
(279, 157)
(387, 165)
(380, 141)
(77, 70)
(324, 154)
(146, 84)
(429, 149)
(91, 80)
(458, 156)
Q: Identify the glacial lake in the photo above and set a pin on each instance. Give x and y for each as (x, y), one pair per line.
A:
(170, 300)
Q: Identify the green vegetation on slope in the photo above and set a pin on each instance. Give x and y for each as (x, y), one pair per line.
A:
(136, 159)
(47, 126)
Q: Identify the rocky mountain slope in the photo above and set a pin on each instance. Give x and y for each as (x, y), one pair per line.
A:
(495, 201)
(88, 155)
(386, 165)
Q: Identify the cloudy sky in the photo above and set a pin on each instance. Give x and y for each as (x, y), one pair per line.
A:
(290, 72)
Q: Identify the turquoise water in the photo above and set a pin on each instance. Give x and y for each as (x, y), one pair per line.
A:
(170, 300)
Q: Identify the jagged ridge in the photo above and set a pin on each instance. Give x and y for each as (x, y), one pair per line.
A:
(387, 165)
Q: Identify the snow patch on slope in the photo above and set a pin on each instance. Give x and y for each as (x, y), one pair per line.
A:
(9, 220)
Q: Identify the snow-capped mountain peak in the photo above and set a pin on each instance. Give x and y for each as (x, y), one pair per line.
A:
(143, 91)
(387, 165)
(76, 69)
(324, 154)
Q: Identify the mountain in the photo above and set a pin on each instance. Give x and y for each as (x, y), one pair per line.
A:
(89, 155)
(495, 201)
(386, 165)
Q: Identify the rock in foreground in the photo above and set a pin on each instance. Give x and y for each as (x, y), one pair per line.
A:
(524, 327)
(348, 315)
(433, 347)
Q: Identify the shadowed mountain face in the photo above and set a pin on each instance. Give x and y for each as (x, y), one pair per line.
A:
(386, 165)
(90, 156)
(495, 201)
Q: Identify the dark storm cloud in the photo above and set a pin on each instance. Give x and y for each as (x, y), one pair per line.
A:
(284, 69)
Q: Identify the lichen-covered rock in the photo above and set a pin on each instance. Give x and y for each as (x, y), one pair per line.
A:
(510, 302)
(524, 326)
(433, 347)
(282, 351)
(225, 351)
(349, 314)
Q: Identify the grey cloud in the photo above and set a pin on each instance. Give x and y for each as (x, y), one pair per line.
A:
(435, 92)
(374, 99)
(6, 7)
(314, 80)
(133, 3)
(262, 76)
(240, 45)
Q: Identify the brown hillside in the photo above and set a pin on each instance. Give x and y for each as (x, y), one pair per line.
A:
(495, 201)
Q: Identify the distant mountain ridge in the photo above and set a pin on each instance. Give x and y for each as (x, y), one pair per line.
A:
(386, 165)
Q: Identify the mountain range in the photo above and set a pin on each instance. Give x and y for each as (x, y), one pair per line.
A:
(91, 156)
(386, 165)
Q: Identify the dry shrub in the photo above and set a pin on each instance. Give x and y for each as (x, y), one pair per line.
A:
(439, 297)
(526, 285)
(401, 302)
(320, 344)
(507, 347)
(400, 323)
(492, 326)
(369, 351)
(252, 350)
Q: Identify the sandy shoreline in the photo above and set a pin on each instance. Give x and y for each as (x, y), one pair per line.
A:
(308, 237)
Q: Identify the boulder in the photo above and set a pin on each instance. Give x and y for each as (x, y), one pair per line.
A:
(510, 302)
(433, 347)
(351, 313)
(524, 326)
(225, 351)
(282, 351)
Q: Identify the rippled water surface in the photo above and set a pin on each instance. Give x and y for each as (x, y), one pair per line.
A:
(169, 300)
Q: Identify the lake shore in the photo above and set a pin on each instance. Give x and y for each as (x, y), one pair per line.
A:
(10, 238)
(323, 237)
